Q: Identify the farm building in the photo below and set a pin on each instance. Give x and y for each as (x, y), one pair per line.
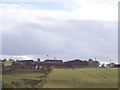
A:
(24, 64)
(77, 63)
(55, 63)
(117, 66)
(60, 64)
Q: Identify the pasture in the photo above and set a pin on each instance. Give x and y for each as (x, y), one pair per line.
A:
(83, 78)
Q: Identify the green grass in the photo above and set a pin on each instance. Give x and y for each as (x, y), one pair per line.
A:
(23, 78)
(83, 78)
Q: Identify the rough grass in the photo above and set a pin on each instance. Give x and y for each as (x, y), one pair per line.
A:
(83, 78)
(19, 79)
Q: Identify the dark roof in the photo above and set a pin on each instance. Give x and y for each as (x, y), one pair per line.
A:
(76, 60)
(24, 63)
(117, 65)
(25, 60)
(54, 61)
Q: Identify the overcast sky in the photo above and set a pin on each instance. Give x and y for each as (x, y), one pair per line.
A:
(68, 29)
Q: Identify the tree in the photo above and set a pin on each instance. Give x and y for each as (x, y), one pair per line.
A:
(11, 59)
(108, 65)
(4, 60)
(91, 63)
(38, 59)
(103, 65)
(90, 60)
(96, 63)
(112, 64)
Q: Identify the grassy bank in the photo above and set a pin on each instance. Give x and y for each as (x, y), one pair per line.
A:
(83, 78)
(22, 79)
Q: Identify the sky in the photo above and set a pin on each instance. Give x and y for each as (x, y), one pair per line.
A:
(67, 30)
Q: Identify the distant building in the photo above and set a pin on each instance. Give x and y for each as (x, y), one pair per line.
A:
(117, 66)
(24, 64)
(55, 63)
(30, 64)
(77, 63)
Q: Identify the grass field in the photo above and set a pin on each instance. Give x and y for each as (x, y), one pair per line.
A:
(83, 78)
(22, 79)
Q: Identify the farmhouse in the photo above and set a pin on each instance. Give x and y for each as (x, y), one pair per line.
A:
(117, 66)
(60, 64)
(24, 64)
(55, 63)
(77, 63)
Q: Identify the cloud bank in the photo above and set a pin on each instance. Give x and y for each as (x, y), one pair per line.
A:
(27, 30)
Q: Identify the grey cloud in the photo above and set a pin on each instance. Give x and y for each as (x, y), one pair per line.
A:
(65, 39)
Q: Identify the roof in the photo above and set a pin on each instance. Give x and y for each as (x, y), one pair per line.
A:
(54, 61)
(117, 65)
(25, 60)
(25, 63)
(76, 60)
